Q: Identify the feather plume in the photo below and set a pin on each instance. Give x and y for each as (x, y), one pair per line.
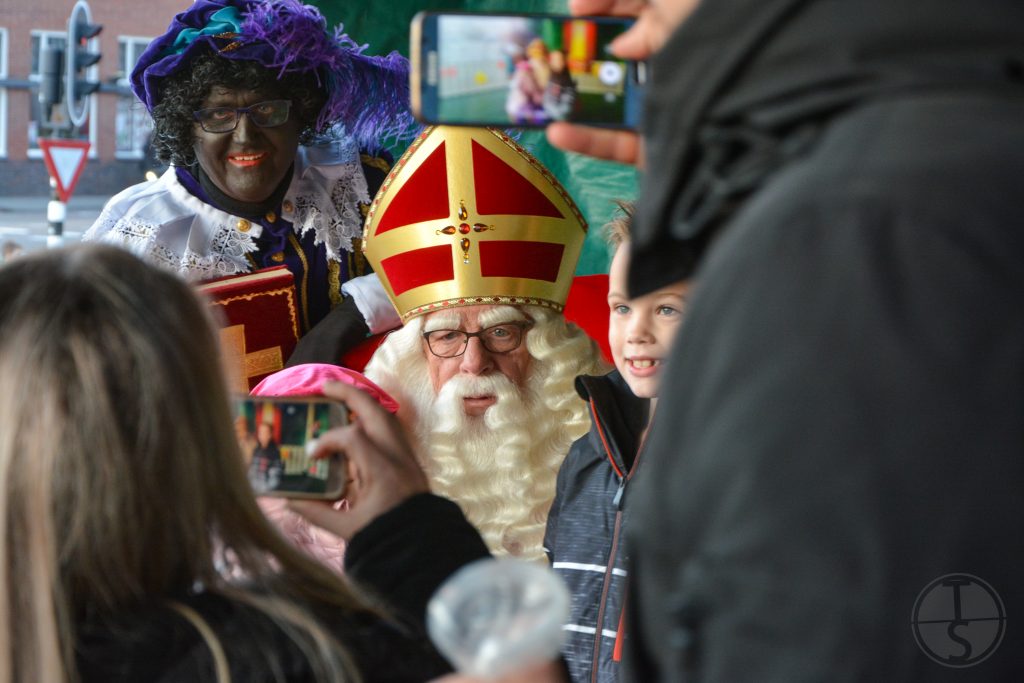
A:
(367, 95)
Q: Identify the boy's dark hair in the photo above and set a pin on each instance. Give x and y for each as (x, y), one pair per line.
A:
(184, 92)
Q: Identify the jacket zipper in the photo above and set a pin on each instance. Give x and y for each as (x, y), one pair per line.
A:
(599, 632)
(617, 502)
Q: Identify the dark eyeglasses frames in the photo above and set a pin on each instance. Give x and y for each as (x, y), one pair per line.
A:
(225, 119)
(496, 339)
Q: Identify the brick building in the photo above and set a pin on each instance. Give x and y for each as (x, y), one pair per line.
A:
(118, 125)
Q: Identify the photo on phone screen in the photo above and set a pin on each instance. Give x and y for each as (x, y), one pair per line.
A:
(278, 436)
(521, 70)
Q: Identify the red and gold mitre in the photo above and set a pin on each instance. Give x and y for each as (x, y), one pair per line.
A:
(468, 217)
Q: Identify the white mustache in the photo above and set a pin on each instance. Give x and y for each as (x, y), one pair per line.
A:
(448, 411)
(462, 386)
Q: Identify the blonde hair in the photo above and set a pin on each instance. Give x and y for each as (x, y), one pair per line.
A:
(617, 230)
(506, 487)
(120, 475)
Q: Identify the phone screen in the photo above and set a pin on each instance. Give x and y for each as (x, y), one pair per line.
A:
(522, 70)
(278, 436)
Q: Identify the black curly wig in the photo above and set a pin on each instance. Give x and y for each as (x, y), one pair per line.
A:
(184, 92)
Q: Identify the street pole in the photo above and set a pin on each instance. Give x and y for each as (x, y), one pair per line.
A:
(75, 91)
(56, 212)
(51, 92)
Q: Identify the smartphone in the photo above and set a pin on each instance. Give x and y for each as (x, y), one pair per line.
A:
(522, 70)
(278, 437)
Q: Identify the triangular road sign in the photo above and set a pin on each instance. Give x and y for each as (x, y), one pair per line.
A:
(65, 160)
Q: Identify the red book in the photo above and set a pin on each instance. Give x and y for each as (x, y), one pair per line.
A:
(259, 319)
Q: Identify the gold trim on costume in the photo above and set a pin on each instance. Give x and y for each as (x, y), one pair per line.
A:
(378, 163)
(334, 282)
(304, 287)
(356, 260)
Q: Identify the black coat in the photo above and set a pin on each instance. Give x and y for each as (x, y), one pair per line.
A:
(400, 558)
(584, 529)
(842, 427)
(154, 643)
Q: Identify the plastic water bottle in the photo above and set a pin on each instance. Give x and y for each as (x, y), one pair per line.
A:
(497, 615)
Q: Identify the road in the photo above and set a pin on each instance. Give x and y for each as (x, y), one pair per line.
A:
(23, 219)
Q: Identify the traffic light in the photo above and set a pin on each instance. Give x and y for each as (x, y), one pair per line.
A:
(80, 57)
(51, 84)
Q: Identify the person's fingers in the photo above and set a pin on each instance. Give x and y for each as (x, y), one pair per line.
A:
(369, 491)
(641, 40)
(357, 400)
(384, 430)
(378, 423)
(650, 32)
(613, 145)
(338, 440)
(371, 464)
(621, 8)
(382, 469)
(381, 474)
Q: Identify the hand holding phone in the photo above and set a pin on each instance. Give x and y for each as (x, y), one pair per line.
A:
(383, 469)
(522, 70)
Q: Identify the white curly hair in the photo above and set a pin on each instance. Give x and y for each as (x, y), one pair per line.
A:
(500, 469)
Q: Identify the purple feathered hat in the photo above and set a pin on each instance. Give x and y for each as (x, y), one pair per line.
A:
(368, 95)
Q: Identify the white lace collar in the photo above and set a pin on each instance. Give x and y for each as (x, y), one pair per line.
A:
(164, 223)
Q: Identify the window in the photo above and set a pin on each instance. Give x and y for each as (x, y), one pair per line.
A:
(133, 125)
(39, 40)
(3, 93)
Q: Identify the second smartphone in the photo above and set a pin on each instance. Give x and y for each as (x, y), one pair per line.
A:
(278, 438)
(509, 70)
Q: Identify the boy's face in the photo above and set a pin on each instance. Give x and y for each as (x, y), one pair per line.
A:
(641, 330)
